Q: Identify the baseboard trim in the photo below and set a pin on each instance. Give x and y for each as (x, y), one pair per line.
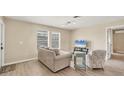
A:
(20, 61)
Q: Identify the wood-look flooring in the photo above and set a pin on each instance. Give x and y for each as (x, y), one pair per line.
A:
(113, 67)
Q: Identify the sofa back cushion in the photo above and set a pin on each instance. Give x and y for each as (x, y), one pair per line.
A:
(57, 52)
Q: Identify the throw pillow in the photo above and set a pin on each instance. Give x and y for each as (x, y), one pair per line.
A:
(56, 51)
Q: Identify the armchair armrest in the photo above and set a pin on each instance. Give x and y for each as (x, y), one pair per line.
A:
(90, 57)
(89, 60)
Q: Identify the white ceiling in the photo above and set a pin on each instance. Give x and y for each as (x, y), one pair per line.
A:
(61, 21)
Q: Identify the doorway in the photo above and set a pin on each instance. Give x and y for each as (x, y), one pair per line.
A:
(1, 44)
(115, 41)
(118, 41)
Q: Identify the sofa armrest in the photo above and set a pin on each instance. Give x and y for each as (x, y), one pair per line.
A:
(63, 56)
(46, 56)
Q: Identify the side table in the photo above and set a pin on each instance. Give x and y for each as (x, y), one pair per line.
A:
(79, 60)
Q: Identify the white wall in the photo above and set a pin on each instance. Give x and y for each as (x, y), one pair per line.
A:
(95, 34)
(96, 37)
(21, 39)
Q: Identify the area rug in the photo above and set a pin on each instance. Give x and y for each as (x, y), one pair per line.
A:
(6, 69)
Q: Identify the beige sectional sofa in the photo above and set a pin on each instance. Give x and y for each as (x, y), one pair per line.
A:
(53, 62)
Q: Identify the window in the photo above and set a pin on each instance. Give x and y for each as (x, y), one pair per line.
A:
(42, 39)
(55, 37)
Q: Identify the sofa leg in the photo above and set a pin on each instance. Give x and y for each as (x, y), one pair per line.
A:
(98, 69)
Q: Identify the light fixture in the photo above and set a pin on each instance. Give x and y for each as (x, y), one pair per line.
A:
(74, 22)
(68, 22)
(76, 16)
(71, 22)
(63, 25)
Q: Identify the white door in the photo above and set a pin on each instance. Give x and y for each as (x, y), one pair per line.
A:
(0, 45)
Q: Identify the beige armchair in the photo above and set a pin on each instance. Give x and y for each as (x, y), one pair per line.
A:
(97, 59)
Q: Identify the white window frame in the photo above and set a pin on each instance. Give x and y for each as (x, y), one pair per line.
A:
(48, 37)
(59, 39)
(109, 39)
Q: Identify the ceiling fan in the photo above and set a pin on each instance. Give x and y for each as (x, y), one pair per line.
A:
(76, 16)
(72, 21)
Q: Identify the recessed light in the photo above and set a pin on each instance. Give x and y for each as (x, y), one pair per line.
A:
(69, 22)
(74, 23)
(63, 25)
